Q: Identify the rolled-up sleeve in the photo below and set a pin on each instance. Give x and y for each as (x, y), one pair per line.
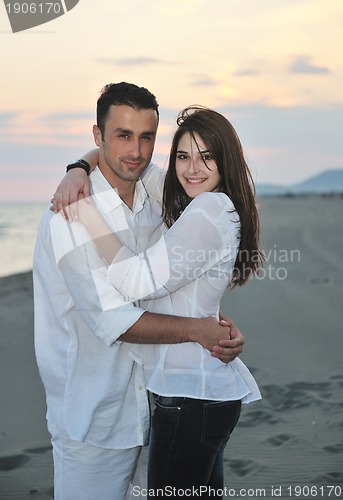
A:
(84, 273)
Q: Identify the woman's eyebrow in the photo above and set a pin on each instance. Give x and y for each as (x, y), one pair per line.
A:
(199, 151)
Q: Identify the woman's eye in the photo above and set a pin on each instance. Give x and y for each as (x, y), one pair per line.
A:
(207, 157)
(181, 157)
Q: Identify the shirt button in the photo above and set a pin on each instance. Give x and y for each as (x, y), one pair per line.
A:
(140, 387)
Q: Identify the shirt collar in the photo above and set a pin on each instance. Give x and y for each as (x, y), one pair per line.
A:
(108, 198)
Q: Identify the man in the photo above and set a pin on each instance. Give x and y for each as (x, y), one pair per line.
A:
(98, 412)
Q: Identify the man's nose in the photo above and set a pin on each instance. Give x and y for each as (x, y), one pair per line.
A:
(135, 149)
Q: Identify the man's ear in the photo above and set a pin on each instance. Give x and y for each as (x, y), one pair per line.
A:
(97, 136)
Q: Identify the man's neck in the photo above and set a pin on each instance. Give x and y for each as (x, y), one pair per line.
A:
(126, 193)
(124, 188)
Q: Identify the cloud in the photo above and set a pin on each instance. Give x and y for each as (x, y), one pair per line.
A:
(6, 118)
(206, 82)
(282, 144)
(286, 144)
(58, 117)
(293, 127)
(63, 129)
(131, 61)
(302, 64)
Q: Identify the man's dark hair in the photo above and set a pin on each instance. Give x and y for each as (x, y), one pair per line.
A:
(120, 94)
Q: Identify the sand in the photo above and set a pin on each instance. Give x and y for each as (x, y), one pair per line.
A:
(292, 319)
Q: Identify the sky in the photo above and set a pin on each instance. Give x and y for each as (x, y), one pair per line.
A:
(274, 68)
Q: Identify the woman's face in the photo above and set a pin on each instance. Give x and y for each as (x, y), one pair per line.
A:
(196, 171)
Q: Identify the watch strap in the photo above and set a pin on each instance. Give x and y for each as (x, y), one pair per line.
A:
(80, 164)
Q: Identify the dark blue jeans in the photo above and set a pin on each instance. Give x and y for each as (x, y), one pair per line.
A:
(188, 437)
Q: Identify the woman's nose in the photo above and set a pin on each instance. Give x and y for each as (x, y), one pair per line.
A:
(193, 166)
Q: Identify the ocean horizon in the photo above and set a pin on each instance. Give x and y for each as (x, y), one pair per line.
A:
(18, 231)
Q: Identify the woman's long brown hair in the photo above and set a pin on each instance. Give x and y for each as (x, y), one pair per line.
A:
(223, 143)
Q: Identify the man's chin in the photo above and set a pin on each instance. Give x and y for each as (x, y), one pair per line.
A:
(135, 172)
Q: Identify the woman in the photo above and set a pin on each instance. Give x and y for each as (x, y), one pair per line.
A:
(209, 243)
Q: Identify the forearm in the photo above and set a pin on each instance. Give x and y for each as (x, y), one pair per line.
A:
(108, 245)
(164, 329)
(161, 329)
(92, 158)
(106, 241)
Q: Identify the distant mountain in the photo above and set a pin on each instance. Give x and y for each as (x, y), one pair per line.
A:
(328, 182)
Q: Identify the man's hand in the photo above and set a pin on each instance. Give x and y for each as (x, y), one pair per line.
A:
(228, 350)
(209, 333)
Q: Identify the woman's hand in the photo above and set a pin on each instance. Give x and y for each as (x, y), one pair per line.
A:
(228, 350)
(74, 182)
(65, 199)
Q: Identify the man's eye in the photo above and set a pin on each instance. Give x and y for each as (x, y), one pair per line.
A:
(124, 136)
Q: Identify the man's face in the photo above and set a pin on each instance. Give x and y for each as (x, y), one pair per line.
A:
(127, 145)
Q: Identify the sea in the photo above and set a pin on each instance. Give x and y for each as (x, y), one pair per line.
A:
(18, 232)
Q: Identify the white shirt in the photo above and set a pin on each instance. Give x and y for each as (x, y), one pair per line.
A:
(185, 273)
(95, 392)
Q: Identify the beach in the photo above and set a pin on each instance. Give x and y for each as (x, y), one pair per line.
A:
(291, 317)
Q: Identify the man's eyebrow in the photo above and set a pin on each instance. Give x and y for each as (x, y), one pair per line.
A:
(130, 132)
(149, 132)
(123, 130)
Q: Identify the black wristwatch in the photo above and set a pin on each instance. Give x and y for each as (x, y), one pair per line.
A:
(80, 164)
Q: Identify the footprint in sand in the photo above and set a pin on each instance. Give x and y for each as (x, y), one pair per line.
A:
(329, 478)
(13, 462)
(304, 394)
(243, 467)
(253, 417)
(279, 398)
(280, 439)
(334, 448)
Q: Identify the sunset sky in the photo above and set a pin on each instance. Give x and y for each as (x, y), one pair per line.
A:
(273, 67)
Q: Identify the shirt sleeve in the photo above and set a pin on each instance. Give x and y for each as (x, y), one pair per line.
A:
(206, 233)
(84, 272)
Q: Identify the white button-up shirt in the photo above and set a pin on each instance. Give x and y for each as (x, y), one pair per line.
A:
(95, 392)
(185, 273)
